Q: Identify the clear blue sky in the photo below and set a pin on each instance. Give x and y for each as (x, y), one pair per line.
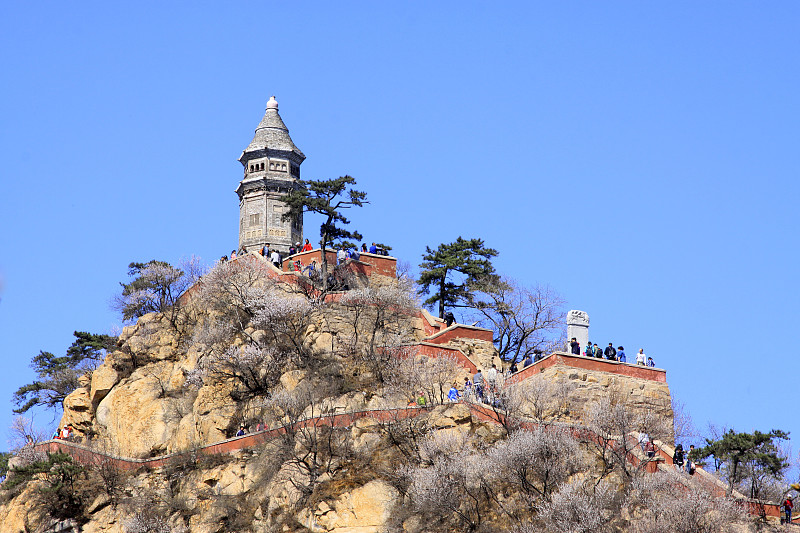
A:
(640, 157)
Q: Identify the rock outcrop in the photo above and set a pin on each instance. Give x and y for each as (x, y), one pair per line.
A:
(146, 400)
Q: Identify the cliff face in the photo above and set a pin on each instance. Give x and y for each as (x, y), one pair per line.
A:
(174, 387)
(581, 388)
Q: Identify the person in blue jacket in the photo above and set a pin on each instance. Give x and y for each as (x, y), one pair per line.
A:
(453, 394)
(621, 355)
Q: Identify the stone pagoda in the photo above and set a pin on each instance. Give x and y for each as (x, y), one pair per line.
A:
(271, 169)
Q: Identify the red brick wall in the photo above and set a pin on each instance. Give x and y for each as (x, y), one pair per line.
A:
(588, 363)
(381, 264)
(306, 257)
(458, 331)
(434, 351)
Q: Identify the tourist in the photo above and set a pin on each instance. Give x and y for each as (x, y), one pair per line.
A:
(265, 251)
(598, 351)
(421, 401)
(610, 352)
(307, 246)
(449, 318)
(355, 255)
(233, 255)
(373, 249)
(640, 357)
(275, 257)
(453, 394)
(651, 449)
(311, 270)
(788, 504)
(364, 248)
(467, 388)
(690, 464)
(223, 259)
(513, 369)
(643, 439)
(340, 256)
(650, 362)
(491, 376)
(647, 445)
(241, 431)
(588, 351)
(677, 457)
(575, 346)
(477, 381)
(537, 356)
(293, 248)
(621, 355)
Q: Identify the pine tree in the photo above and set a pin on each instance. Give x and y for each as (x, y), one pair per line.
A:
(58, 376)
(735, 450)
(327, 198)
(469, 258)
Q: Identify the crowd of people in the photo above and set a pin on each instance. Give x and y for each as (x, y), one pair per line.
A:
(481, 387)
(65, 433)
(682, 460)
(276, 258)
(609, 353)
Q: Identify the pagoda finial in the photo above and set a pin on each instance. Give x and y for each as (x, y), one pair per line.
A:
(273, 103)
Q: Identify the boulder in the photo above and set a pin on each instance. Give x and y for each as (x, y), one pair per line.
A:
(104, 378)
(134, 417)
(78, 411)
(363, 510)
(290, 380)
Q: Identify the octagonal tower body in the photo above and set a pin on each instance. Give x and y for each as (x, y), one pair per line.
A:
(271, 169)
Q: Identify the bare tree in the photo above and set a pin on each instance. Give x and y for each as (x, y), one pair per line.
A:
(312, 443)
(580, 506)
(513, 403)
(157, 287)
(252, 370)
(405, 433)
(254, 330)
(23, 438)
(285, 317)
(544, 401)
(523, 319)
(614, 432)
(430, 377)
(376, 316)
(228, 297)
(683, 425)
(537, 461)
(452, 483)
(666, 503)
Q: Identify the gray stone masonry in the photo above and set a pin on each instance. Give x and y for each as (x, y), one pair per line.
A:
(578, 327)
(271, 169)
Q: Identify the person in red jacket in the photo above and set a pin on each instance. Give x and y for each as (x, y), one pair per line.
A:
(307, 246)
(787, 505)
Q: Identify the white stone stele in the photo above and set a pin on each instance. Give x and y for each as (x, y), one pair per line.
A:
(578, 327)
